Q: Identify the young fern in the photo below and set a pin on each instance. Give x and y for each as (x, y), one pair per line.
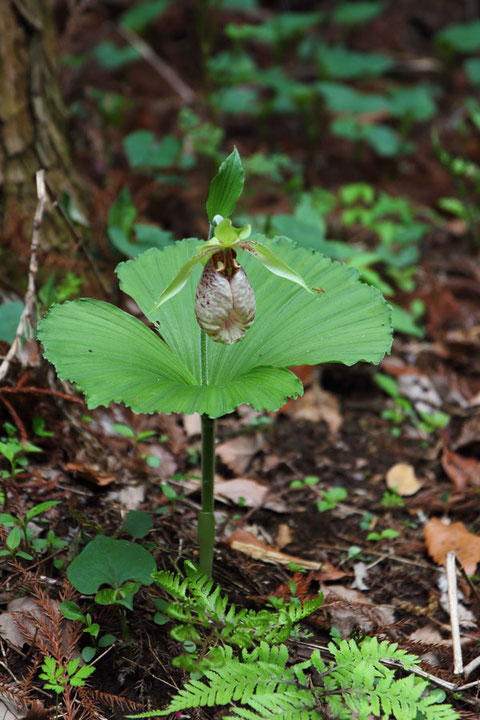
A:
(199, 608)
(355, 685)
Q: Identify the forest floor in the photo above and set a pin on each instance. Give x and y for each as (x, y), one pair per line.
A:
(337, 435)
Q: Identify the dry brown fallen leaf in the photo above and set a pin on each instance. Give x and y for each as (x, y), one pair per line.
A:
(401, 478)
(462, 471)
(254, 494)
(9, 628)
(356, 610)
(130, 497)
(192, 424)
(167, 463)
(441, 538)
(238, 452)
(245, 542)
(284, 536)
(429, 635)
(10, 711)
(91, 473)
(316, 405)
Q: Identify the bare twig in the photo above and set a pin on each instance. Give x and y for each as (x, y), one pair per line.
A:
(76, 237)
(42, 391)
(453, 607)
(164, 70)
(27, 318)
(472, 665)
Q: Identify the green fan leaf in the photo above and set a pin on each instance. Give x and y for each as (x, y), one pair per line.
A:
(226, 187)
(346, 323)
(114, 357)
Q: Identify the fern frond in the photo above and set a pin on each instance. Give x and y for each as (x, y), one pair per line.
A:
(297, 611)
(368, 688)
(246, 714)
(265, 653)
(235, 681)
(292, 703)
(172, 583)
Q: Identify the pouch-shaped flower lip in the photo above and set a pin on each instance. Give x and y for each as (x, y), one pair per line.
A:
(224, 301)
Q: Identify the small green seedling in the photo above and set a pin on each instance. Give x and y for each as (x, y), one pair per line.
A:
(72, 611)
(151, 460)
(21, 533)
(387, 534)
(224, 339)
(39, 427)
(465, 174)
(57, 677)
(366, 521)
(122, 566)
(307, 481)
(391, 499)
(127, 431)
(403, 410)
(14, 451)
(354, 552)
(331, 498)
(54, 291)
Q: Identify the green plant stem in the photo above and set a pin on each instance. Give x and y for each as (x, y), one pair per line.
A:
(203, 359)
(123, 625)
(206, 520)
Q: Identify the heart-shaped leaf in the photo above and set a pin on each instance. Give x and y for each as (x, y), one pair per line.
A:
(106, 561)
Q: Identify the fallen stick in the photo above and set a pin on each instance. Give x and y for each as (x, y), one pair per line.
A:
(164, 70)
(453, 608)
(27, 318)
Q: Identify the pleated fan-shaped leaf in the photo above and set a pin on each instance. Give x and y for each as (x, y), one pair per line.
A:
(114, 357)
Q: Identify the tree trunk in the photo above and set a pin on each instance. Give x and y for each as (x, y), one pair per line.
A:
(32, 123)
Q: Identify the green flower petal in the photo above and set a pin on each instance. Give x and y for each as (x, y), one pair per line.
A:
(180, 279)
(229, 235)
(273, 263)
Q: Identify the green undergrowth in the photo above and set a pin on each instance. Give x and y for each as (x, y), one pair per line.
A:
(239, 661)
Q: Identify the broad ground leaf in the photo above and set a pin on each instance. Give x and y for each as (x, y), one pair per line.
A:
(106, 561)
(114, 357)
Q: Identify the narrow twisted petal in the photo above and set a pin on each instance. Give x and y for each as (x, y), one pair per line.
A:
(224, 307)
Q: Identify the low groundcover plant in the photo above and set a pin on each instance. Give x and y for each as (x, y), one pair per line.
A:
(308, 310)
(357, 684)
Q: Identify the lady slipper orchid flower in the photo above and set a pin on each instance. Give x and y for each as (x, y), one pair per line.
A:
(225, 300)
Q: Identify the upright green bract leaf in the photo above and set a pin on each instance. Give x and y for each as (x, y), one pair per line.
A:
(226, 187)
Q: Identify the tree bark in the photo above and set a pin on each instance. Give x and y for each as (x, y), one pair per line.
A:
(32, 122)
